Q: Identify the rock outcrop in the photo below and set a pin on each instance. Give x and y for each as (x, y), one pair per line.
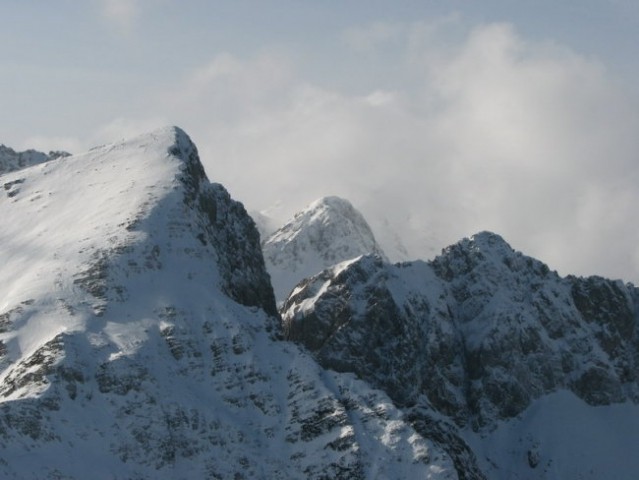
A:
(481, 331)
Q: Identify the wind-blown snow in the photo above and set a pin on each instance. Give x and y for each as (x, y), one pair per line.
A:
(59, 216)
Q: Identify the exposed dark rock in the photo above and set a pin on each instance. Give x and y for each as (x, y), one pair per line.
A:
(226, 225)
(10, 160)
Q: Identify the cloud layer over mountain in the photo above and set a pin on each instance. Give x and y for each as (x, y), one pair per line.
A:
(446, 129)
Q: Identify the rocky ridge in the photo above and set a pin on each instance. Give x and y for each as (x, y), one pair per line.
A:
(480, 331)
(10, 160)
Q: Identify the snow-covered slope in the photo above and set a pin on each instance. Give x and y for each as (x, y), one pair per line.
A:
(327, 232)
(560, 436)
(480, 334)
(139, 337)
(10, 160)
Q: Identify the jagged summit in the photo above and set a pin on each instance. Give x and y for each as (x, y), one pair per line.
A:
(330, 230)
(10, 160)
(480, 334)
(489, 240)
(484, 254)
(482, 245)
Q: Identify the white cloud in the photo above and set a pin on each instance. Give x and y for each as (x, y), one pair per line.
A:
(529, 139)
(121, 13)
(541, 144)
(122, 128)
(47, 144)
(380, 98)
(368, 38)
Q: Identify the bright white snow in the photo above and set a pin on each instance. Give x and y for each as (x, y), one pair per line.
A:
(328, 231)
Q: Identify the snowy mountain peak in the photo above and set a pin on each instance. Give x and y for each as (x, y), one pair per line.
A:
(330, 230)
(489, 240)
(483, 245)
(82, 235)
(329, 210)
(137, 337)
(333, 203)
(485, 255)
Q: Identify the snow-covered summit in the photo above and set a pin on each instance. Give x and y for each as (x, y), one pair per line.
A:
(116, 263)
(484, 252)
(330, 230)
(482, 246)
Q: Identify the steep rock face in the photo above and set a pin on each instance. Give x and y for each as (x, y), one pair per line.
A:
(610, 311)
(230, 230)
(10, 160)
(137, 337)
(480, 331)
(530, 332)
(348, 317)
(328, 231)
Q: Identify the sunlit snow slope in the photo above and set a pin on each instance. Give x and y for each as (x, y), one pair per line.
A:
(139, 337)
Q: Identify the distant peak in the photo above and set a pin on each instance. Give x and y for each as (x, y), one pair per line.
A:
(329, 210)
(465, 255)
(331, 205)
(489, 241)
(11, 160)
(484, 250)
(331, 201)
(329, 231)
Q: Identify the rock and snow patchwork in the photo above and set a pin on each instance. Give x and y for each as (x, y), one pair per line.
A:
(479, 334)
(327, 232)
(10, 160)
(139, 337)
